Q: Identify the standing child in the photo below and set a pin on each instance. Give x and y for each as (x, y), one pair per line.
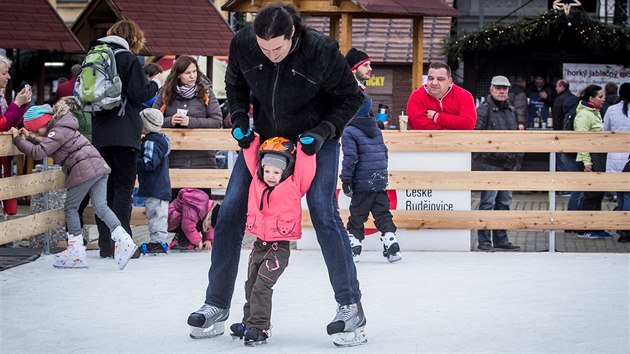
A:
(153, 179)
(274, 216)
(85, 170)
(364, 179)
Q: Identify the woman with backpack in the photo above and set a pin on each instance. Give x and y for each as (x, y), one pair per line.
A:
(116, 132)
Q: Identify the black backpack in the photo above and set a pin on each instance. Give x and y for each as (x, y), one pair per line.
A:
(569, 107)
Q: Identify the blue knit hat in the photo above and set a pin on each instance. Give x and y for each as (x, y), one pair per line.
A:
(37, 117)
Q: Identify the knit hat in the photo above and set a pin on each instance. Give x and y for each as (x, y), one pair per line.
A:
(624, 91)
(152, 119)
(37, 117)
(275, 160)
(356, 58)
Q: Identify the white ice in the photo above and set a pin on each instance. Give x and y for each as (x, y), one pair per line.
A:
(429, 302)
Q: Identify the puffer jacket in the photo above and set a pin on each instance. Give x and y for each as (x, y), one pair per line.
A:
(108, 129)
(616, 121)
(275, 213)
(201, 115)
(189, 209)
(311, 85)
(79, 160)
(492, 117)
(153, 176)
(364, 155)
(587, 119)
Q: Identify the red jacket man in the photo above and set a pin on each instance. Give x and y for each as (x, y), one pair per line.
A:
(440, 104)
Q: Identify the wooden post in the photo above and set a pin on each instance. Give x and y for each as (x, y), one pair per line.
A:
(333, 29)
(346, 33)
(418, 52)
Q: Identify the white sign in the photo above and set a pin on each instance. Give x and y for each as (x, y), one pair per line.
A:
(581, 75)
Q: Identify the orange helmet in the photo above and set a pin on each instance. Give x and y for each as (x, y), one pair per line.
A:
(280, 146)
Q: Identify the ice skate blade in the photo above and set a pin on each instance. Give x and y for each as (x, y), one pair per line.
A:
(214, 330)
(83, 266)
(255, 344)
(236, 336)
(350, 339)
(394, 258)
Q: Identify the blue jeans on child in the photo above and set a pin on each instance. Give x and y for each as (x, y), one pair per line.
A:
(331, 233)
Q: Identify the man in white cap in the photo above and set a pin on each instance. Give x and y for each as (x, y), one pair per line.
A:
(496, 113)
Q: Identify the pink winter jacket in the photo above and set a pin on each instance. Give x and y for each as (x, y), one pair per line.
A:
(191, 206)
(280, 217)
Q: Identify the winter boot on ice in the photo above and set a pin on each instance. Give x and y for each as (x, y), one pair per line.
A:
(124, 248)
(207, 322)
(391, 249)
(154, 247)
(238, 330)
(348, 327)
(74, 256)
(255, 337)
(355, 244)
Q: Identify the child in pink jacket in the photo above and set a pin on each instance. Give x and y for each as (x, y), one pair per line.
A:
(191, 216)
(274, 216)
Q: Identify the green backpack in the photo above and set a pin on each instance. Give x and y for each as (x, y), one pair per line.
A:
(98, 85)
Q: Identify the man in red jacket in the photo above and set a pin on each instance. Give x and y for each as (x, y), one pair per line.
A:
(440, 104)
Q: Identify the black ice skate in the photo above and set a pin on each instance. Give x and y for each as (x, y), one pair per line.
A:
(207, 322)
(348, 327)
(238, 330)
(255, 337)
(154, 248)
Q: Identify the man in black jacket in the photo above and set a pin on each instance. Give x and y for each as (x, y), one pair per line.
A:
(301, 88)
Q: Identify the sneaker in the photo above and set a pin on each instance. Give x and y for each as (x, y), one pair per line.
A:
(391, 249)
(74, 256)
(484, 247)
(124, 247)
(356, 246)
(508, 247)
(207, 322)
(593, 235)
(255, 336)
(348, 326)
(238, 330)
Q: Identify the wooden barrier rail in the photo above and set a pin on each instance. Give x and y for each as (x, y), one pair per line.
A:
(406, 141)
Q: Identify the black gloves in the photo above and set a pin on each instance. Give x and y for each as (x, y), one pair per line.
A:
(347, 188)
(312, 140)
(240, 130)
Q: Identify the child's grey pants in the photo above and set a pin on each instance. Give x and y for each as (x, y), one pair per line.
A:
(157, 213)
(97, 187)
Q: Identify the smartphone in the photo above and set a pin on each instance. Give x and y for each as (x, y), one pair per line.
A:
(27, 87)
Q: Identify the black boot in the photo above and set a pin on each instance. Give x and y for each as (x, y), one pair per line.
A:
(255, 336)
(624, 236)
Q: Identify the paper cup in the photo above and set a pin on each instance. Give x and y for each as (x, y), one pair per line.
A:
(403, 120)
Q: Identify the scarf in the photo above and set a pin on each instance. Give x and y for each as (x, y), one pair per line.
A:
(186, 91)
(3, 104)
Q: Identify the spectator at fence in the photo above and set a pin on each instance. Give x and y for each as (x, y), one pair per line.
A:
(440, 104)
(496, 113)
(151, 70)
(85, 170)
(518, 98)
(281, 174)
(301, 86)
(617, 119)
(67, 88)
(557, 111)
(540, 94)
(610, 97)
(117, 138)
(589, 119)
(188, 102)
(192, 216)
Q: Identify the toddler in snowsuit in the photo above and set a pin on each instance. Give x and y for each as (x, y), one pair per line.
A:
(189, 213)
(274, 216)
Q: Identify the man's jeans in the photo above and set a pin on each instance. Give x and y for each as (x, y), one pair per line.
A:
(569, 164)
(331, 233)
(494, 200)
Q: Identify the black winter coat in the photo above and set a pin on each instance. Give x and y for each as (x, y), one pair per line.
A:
(153, 176)
(492, 117)
(312, 84)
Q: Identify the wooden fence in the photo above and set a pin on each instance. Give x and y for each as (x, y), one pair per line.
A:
(397, 141)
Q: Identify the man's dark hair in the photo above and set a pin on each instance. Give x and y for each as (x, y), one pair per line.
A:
(277, 20)
(611, 88)
(441, 65)
(564, 83)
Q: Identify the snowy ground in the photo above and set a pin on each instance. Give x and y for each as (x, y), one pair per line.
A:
(429, 302)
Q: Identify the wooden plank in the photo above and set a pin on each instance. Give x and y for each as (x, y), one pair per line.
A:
(7, 148)
(19, 186)
(499, 219)
(201, 139)
(199, 178)
(418, 53)
(505, 141)
(31, 225)
(138, 216)
(345, 41)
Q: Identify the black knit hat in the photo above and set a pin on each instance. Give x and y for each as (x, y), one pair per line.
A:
(356, 57)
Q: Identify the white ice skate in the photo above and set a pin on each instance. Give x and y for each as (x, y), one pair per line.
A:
(207, 322)
(356, 246)
(124, 248)
(347, 329)
(391, 249)
(74, 256)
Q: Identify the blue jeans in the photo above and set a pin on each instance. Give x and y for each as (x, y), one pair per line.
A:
(494, 200)
(331, 233)
(568, 163)
(623, 201)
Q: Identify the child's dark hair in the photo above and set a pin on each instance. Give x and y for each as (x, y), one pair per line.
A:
(278, 20)
(624, 94)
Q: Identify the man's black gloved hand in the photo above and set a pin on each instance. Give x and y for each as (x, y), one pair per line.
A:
(312, 140)
(240, 130)
(347, 188)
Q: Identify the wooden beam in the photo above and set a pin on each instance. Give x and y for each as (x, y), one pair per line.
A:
(305, 7)
(20, 186)
(7, 148)
(200, 178)
(346, 33)
(418, 52)
(31, 225)
(501, 219)
(334, 3)
(334, 28)
(201, 139)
